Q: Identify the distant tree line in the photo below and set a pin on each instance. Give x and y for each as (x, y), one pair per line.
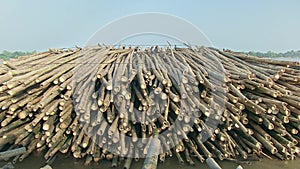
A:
(7, 54)
(271, 54)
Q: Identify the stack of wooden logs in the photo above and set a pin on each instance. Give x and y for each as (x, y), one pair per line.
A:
(85, 100)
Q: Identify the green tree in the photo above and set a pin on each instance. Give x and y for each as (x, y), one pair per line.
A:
(7, 55)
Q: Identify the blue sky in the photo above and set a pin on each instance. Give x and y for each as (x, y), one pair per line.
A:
(235, 24)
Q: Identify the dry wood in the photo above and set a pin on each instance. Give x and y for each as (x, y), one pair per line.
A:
(84, 100)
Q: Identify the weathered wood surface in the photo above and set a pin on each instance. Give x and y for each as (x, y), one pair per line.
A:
(254, 104)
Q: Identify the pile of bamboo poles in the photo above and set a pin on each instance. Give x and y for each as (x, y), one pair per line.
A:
(107, 103)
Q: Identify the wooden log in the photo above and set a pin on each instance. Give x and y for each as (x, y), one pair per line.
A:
(12, 153)
(8, 166)
(152, 156)
(212, 163)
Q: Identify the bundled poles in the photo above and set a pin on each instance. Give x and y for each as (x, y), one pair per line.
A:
(105, 103)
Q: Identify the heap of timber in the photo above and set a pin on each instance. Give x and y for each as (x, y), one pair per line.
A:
(201, 103)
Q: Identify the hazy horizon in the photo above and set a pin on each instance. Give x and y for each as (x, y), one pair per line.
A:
(237, 25)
